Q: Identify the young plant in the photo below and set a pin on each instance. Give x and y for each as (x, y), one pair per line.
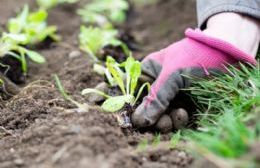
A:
(47, 4)
(81, 107)
(93, 39)
(33, 26)
(126, 80)
(9, 46)
(115, 10)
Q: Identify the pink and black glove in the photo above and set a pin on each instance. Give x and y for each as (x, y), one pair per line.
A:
(195, 55)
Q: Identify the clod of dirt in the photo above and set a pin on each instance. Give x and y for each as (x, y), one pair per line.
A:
(127, 37)
(8, 87)
(179, 118)
(164, 124)
(96, 98)
(116, 52)
(114, 91)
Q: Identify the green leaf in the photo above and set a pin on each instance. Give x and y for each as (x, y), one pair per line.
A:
(111, 64)
(133, 69)
(114, 104)
(141, 90)
(82, 107)
(15, 25)
(36, 57)
(39, 16)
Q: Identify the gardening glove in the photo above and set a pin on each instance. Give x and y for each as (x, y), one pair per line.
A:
(196, 55)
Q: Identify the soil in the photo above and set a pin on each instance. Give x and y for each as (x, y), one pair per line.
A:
(11, 67)
(38, 127)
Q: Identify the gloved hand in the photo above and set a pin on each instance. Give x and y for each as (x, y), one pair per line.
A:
(195, 55)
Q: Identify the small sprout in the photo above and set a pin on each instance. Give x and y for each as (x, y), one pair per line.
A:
(164, 124)
(126, 80)
(81, 107)
(180, 118)
(31, 28)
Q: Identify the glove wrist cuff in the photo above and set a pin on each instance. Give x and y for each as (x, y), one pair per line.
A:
(220, 45)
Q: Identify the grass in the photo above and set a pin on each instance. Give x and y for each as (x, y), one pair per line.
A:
(237, 91)
(228, 115)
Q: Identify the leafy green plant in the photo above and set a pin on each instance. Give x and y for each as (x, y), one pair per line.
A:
(32, 26)
(9, 46)
(115, 10)
(92, 39)
(126, 80)
(47, 4)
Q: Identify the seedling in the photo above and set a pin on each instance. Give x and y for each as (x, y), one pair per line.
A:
(32, 27)
(115, 10)
(126, 80)
(9, 46)
(47, 4)
(81, 107)
(93, 39)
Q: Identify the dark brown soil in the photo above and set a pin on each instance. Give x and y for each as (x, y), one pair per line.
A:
(11, 67)
(41, 132)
